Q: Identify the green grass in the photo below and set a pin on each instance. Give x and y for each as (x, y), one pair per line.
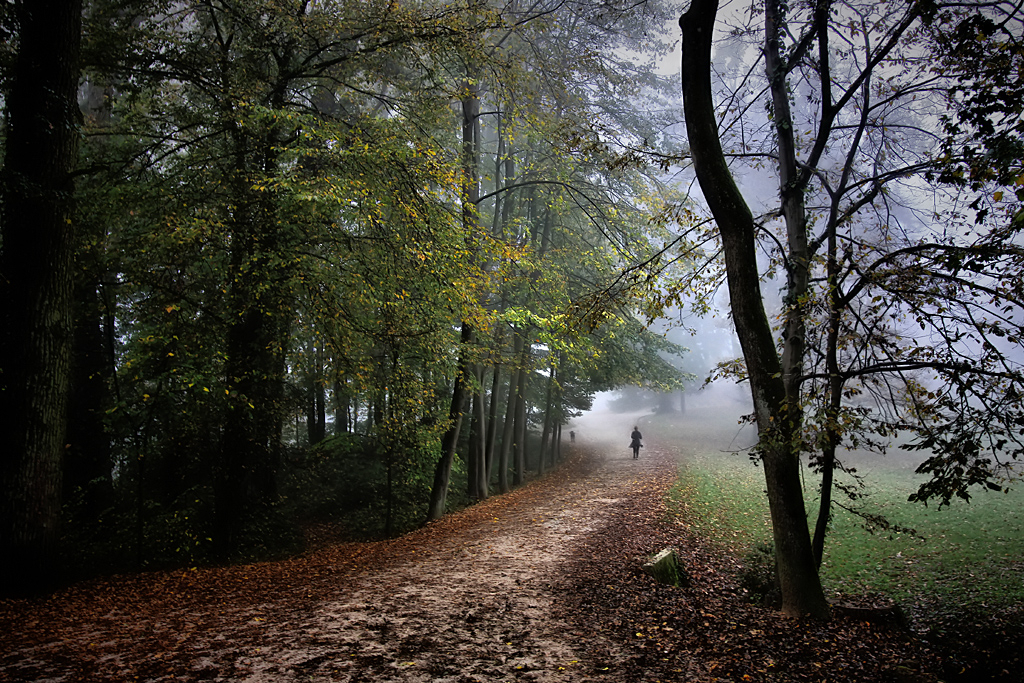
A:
(721, 497)
(968, 553)
(971, 552)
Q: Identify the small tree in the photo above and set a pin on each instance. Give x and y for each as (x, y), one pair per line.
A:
(853, 138)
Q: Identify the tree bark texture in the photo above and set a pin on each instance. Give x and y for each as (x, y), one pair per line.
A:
(490, 447)
(443, 470)
(475, 465)
(778, 434)
(508, 425)
(36, 285)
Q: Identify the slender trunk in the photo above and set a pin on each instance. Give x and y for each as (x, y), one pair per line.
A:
(519, 444)
(828, 462)
(791, 193)
(520, 427)
(309, 401)
(443, 470)
(316, 412)
(492, 424)
(470, 219)
(36, 283)
(558, 414)
(474, 458)
(342, 408)
(480, 417)
(546, 428)
(508, 427)
(777, 417)
(836, 305)
(321, 399)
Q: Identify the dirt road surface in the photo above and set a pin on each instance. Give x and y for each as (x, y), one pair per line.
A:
(543, 584)
(467, 598)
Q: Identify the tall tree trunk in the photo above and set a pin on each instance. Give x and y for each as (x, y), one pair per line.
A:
(474, 458)
(777, 419)
(480, 420)
(443, 469)
(250, 447)
(508, 426)
(836, 381)
(36, 283)
(546, 428)
(88, 459)
(519, 427)
(316, 411)
(88, 464)
(519, 441)
(492, 424)
(470, 220)
(342, 408)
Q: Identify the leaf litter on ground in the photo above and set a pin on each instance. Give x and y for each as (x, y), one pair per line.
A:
(542, 584)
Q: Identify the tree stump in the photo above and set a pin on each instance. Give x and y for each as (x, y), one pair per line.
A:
(665, 568)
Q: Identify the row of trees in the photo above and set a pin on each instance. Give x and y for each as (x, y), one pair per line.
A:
(402, 221)
(893, 133)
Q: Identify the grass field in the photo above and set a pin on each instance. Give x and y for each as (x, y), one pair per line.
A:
(970, 554)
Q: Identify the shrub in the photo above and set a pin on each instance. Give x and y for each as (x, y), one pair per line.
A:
(758, 576)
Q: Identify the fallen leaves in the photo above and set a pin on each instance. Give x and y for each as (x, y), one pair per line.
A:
(476, 596)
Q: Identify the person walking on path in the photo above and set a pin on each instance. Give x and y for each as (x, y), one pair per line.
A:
(635, 444)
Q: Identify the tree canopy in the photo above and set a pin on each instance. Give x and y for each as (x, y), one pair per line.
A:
(307, 231)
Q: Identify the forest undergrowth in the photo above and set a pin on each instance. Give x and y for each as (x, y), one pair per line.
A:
(544, 584)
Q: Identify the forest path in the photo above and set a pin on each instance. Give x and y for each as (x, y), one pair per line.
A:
(468, 598)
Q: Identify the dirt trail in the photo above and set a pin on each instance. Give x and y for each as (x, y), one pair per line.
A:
(465, 599)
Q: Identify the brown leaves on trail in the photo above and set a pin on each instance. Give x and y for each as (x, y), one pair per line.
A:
(544, 584)
(639, 630)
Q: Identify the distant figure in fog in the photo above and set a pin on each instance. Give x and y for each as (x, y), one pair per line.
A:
(572, 437)
(635, 443)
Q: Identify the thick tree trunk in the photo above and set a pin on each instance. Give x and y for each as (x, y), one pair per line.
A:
(36, 282)
(250, 446)
(778, 424)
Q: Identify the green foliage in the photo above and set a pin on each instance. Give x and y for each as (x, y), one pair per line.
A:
(133, 535)
(344, 481)
(273, 218)
(758, 577)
